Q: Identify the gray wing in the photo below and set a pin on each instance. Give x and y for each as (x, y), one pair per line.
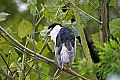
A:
(66, 36)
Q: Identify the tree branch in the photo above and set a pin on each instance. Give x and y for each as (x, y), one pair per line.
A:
(85, 12)
(34, 47)
(83, 39)
(40, 57)
(105, 20)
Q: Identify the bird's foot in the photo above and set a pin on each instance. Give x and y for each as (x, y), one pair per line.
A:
(69, 68)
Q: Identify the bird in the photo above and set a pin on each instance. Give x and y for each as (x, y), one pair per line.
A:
(65, 44)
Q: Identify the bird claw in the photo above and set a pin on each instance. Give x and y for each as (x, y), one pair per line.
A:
(69, 68)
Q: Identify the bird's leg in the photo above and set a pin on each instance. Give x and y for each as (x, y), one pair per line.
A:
(69, 66)
(69, 69)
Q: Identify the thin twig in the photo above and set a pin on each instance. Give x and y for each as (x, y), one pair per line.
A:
(72, 78)
(6, 64)
(85, 12)
(55, 74)
(31, 67)
(18, 65)
(57, 77)
(25, 62)
(46, 75)
(8, 76)
(34, 47)
(39, 20)
(64, 16)
(117, 9)
(23, 48)
(75, 29)
(43, 46)
(42, 58)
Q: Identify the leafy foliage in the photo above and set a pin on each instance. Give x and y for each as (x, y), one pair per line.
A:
(20, 65)
(31, 6)
(115, 27)
(24, 28)
(110, 57)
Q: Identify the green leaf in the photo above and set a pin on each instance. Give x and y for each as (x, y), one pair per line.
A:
(31, 6)
(2, 63)
(45, 70)
(95, 37)
(24, 28)
(3, 16)
(32, 10)
(2, 40)
(52, 10)
(44, 31)
(6, 47)
(51, 45)
(115, 27)
(31, 2)
(69, 15)
(112, 3)
(39, 46)
(34, 75)
(14, 32)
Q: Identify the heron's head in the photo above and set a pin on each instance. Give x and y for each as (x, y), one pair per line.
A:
(51, 28)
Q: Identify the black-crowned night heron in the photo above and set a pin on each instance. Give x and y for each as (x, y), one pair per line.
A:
(65, 44)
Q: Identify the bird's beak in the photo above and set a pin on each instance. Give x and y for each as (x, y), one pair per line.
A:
(47, 34)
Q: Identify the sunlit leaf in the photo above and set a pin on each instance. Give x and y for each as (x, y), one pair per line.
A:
(24, 28)
(112, 3)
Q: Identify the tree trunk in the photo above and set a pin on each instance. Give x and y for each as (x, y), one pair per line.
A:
(105, 21)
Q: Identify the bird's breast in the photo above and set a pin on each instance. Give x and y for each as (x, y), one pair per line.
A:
(64, 54)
